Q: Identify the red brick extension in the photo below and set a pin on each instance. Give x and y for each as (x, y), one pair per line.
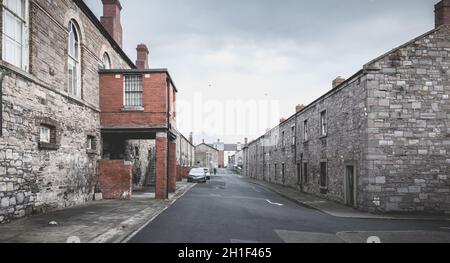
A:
(115, 179)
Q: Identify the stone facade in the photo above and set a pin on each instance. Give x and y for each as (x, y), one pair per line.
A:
(386, 133)
(206, 156)
(35, 177)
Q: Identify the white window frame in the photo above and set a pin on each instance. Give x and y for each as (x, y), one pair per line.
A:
(76, 91)
(24, 60)
(91, 143)
(126, 102)
(45, 134)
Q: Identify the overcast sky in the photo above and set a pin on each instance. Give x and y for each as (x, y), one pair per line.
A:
(274, 54)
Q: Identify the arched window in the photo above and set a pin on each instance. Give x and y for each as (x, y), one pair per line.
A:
(74, 71)
(106, 61)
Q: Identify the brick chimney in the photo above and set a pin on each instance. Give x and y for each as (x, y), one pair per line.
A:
(442, 13)
(282, 120)
(299, 108)
(111, 19)
(142, 57)
(338, 81)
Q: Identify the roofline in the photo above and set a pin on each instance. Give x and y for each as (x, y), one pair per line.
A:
(206, 145)
(139, 71)
(404, 45)
(184, 137)
(88, 12)
(330, 92)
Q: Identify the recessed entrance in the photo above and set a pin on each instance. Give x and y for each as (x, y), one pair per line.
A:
(350, 185)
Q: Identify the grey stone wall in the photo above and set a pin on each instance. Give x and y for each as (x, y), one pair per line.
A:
(391, 121)
(409, 126)
(344, 143)
(201, 160)
(35, 179)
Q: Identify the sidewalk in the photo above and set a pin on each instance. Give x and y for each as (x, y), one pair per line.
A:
(335, 209)
(108, 221)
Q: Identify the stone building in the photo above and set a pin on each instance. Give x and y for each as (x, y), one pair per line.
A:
(51, 137)
(185, 155)
(378, 141)
(206, 156)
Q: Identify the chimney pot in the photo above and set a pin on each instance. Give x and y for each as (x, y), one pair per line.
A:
(442, 13)
(111, 19)
(338, 81)
(142, 57)
(299, 108)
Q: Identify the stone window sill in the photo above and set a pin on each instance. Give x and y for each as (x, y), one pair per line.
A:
(323, 136)
(132, 109)
(91, 152)
(48, 146)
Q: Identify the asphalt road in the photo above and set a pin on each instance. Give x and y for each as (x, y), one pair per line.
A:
(229, 209)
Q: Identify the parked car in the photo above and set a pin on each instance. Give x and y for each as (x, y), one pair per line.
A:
(197, 175)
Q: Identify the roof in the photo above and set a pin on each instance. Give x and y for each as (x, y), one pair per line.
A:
(231, 147)
(356, 75)
(139, 71)
(87, 11)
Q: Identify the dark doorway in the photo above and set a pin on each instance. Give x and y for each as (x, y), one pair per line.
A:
(350, 186)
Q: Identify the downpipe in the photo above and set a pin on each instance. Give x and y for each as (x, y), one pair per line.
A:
(3, 74)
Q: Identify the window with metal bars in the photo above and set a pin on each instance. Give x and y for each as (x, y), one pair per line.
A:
(133, 91)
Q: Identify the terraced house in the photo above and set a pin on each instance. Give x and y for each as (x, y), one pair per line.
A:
(53, 131)
(378, 141)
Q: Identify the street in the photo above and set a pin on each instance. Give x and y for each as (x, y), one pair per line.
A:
(228, 209)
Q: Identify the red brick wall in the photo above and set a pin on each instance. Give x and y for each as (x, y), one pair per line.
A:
(115, 179)
(154, 102)
(161, 168)
(221, 158)
(172, 167)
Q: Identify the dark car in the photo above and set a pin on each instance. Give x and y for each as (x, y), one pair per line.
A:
(197, 175)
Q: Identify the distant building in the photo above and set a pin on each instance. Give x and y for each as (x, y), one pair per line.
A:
(206, 156)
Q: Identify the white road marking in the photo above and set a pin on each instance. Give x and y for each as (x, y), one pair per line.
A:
(256, 189)
(445, 228)
(272, 203)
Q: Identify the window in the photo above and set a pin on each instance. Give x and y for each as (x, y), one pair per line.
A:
(283, 173)
(305, 173)
(323, 123)
(44, 134)
(282, 139)
(299, 174)
(323, 175)
(47, 137)
(74, 70)
(15, 33)
(305, 131)
(106, 61)
(91, 143)
(293, 134)
(133, 91)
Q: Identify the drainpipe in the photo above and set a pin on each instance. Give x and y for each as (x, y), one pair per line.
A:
(3, 74)
(168, 137)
